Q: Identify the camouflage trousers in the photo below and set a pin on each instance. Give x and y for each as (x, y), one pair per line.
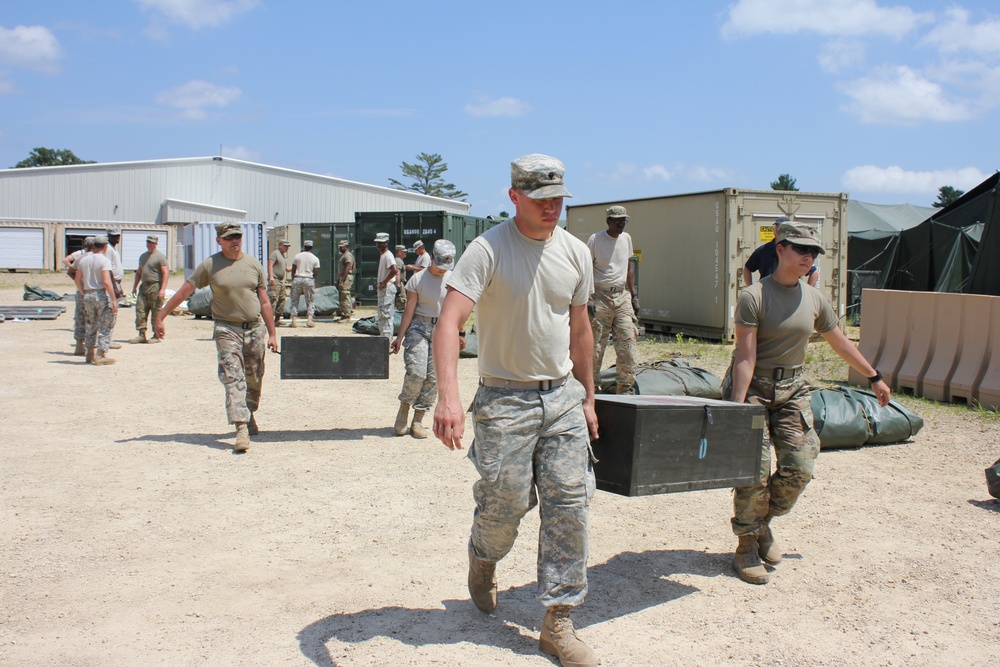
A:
(420, 384)
(276, 293)
(300, 287)
(147, 305)
(796, 446)
(241, 367)
(344, 292)
(79, 318)
(386, 302)
(613, 315)
(532, 448)
(100, 320)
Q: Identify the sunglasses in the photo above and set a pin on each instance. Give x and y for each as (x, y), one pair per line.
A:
(805, 249)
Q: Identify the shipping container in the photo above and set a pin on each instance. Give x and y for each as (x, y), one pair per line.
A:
(325, 237)
(406, 228)
(200, 243)
(691, 249)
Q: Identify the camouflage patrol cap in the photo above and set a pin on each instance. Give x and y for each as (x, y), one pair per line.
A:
(114, 231)
(799, 234)
(284, 242)
(444, 254)
(226, 229)
(88, 242)
(307, 244)
(617, 212)
(100, 240)
(401, 247)
(418, 244)
(538, 176)
(152, 239)
(342, 244)
(382, 237)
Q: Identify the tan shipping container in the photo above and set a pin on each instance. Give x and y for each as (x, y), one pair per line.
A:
(691, 249)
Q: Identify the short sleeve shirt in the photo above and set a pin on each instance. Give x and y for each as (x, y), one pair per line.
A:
(92, 266)
(610, 258)
(386, 265)
(280, 265)
(423, 261)
(523, 289)
(305, 263)
(151, 266)
(763, 260)
(784, 317)
(345, 259)
(430, 291)
(234, 286)
(117, 270)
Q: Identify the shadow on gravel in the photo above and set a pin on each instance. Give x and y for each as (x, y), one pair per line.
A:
(224, 441)
(991, 504)
(203, 439)
(625, 584)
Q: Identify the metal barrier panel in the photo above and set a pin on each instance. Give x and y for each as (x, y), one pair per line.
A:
(989, 389)
(947, 347)
(922, 331)
(873, 331)
(975, 347)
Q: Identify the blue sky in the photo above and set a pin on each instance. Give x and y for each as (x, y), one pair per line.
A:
(887, 101)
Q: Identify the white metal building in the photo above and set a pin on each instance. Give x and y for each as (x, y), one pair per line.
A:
(46, 211)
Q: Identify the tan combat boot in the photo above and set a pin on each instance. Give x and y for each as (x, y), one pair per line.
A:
(747, 563)
(767, 546)
(90, 355)
(79, 351)
(242, 438)
(154, 339)
(141, 338)
(114, 346)
(309, 321)
(558, 638)
(417, 428)
(252, 426)
(101, 359)
(482, 582)
(293, 324)
(399, 428)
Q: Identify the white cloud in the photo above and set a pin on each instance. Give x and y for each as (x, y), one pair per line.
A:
(826, 17)
(956, 34)
(197, 14)
(900, 96)
(241, 153)
(33, 47)
(503, 106)
(657, 172)
(192, 98)
(679, 171)
(894, 179)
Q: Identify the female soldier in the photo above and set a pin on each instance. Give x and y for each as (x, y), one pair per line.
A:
(774, 320)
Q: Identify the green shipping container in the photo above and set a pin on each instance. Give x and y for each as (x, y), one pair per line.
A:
(406, 228)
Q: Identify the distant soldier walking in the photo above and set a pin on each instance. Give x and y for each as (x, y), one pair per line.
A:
(425, 294)
(277, 269)
(345, 281)
(151, 285)
(79, 312)
(305, 266)
(387, 277)
(614, 304)
(94, 278)
(244, 325)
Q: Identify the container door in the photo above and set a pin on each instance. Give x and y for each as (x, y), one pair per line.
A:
(325, 249)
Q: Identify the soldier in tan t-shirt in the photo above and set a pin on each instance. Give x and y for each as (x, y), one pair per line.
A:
(774, 319)
(244, 322)
(149, 288)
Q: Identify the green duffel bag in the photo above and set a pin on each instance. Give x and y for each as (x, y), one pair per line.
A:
(668, 377)
(837, 416)
(199, 303)
(327, 302)
(369, 325)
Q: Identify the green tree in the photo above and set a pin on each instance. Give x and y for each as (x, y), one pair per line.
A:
(427, 177)
(504, 214)
(784, 182)
(947, 196)
(50, 157)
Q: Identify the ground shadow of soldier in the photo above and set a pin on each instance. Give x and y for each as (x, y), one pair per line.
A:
(627, 583)
(224, 440)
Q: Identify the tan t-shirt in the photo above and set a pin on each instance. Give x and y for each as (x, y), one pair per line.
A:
(305, 263)
(610, 258)
(151, 267)
(386, 265)
(345, 259)
(430, 291)
(280, 265)
(523, 291)
(93, 265)
(234, 286)
(784, 317)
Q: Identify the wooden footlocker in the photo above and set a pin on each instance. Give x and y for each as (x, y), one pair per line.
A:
(666, 444)
(334, 358)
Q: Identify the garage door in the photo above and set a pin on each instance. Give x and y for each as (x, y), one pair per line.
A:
(22, 248)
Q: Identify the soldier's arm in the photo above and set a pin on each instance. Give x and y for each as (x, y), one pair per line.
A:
(165, 271)
(449, 417)
(847, 351)
(581, 351)
(745, 361)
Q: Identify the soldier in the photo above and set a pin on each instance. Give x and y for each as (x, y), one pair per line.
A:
(345, 281)
(117, 274)
(401, 251)
(305, 267)
(79, 312)
(774, 319)
(276, 285)
(243, 319)
(151, 285)
(387, 277)
(534, 410)
(614, 304)
(423, 259)
(94, 279)
(764, 260)
(425, 292)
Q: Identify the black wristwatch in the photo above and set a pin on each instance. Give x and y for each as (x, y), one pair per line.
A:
(875, 378)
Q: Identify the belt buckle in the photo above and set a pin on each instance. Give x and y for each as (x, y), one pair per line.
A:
(778, 374)
(544, 385)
